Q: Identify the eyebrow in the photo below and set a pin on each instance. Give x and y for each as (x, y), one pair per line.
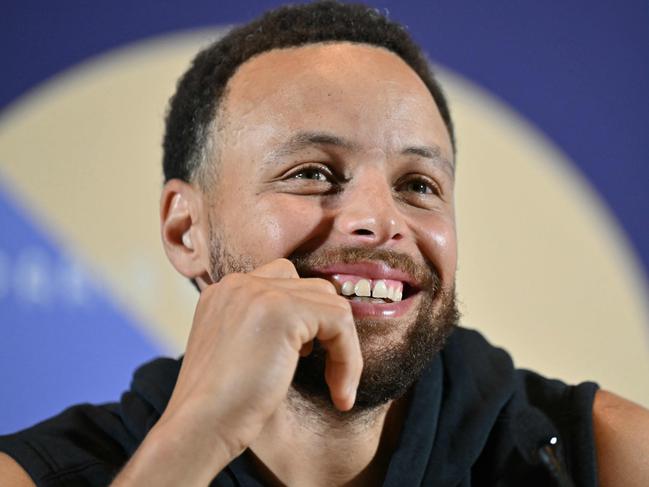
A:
(432, 153)
(303, 140)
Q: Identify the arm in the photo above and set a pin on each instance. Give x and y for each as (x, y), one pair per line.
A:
(622, 441)
(248, 333)
(13, 474)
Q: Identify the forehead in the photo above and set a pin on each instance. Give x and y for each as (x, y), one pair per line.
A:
(364, 93)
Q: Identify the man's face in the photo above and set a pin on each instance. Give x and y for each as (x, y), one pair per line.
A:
(336, 157)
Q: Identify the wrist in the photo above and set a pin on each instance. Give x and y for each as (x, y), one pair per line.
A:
(175, 454)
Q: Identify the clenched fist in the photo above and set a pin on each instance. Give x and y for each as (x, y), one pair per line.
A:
(248, 333)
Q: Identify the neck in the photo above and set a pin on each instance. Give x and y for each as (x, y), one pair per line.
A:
(308, 443)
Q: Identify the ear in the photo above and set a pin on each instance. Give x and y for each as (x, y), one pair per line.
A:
(184, 230)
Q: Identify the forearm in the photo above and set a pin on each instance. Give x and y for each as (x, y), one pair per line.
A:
(171, 456)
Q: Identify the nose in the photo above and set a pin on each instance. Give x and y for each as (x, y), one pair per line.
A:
(368, 214)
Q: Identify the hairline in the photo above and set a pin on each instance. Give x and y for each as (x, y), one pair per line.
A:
(205, 172)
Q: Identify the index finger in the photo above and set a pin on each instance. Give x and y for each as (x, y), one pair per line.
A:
(344, 362)
(282, 268)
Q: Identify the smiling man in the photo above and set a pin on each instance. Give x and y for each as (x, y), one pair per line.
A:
(309, 165)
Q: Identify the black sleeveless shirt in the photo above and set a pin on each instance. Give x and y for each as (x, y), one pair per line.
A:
(462, 427)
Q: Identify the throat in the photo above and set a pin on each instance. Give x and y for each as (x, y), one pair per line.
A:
(304, 445)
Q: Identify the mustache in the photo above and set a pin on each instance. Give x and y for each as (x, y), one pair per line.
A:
(424, 275)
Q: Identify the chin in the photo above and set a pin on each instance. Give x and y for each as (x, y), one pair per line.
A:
(395, 352)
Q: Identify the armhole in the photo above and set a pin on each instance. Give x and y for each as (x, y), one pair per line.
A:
(12, 471)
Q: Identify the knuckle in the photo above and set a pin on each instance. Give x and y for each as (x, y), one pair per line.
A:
(271, 296)
(207, 292)
(311, 328)
(286, 266)
(343, 323)
(326, 286)
(207, 295)
(266, 299)
(233, 280)
(350, 327)
(298, 332)
(343, 306)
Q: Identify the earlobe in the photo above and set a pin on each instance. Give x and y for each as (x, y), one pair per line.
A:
(181, 223)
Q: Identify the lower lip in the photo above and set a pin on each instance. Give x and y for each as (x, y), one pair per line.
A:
(362, 309)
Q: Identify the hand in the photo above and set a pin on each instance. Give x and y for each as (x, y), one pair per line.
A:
(245, 342)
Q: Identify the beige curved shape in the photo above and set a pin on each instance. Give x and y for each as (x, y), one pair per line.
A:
(544, 270)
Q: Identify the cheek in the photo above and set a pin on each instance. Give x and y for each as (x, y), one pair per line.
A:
(284, 224)
(438, 242)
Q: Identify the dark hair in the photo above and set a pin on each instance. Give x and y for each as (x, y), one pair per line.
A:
(194, 106)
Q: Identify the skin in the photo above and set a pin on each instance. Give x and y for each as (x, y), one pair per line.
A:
(622, 441)
(249, 329)
(384, 199)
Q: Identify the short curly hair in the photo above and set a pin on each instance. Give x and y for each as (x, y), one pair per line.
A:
(193, 109)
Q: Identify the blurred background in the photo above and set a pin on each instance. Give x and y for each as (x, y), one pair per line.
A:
(552, 113)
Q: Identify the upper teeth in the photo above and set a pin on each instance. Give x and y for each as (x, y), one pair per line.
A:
(380, 290)
(363, 287)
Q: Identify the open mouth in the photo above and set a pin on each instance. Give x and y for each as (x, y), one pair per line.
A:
(373, 288)
(377, 291)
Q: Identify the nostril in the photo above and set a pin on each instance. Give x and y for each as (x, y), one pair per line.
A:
(363, 231)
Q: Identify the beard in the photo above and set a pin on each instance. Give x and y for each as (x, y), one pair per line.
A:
(395, 350)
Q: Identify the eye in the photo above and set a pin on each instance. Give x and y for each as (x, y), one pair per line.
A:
(312, 173)
(315, 173)
(420, 186)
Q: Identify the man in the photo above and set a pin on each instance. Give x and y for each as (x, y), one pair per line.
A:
(309, 165)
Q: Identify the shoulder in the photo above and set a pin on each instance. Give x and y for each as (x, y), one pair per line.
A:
(83, 443)
(622, 440)
(12, 473)
(88, 444)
